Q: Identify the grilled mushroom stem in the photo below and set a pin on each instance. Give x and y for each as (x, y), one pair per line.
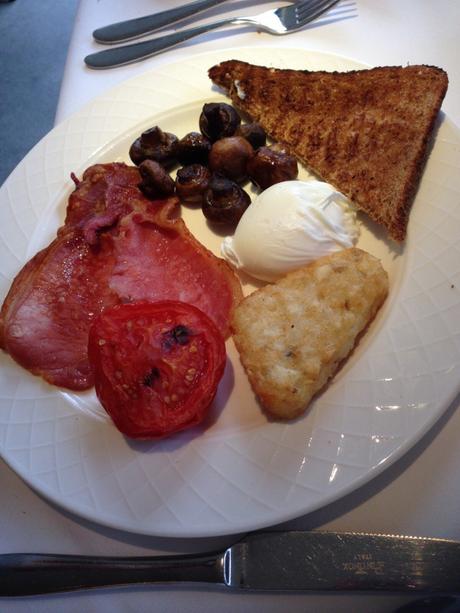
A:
(218, 120)
(156, 145)
(156, 182)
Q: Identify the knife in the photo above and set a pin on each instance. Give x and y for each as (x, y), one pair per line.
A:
(261, 561)
(134, 28)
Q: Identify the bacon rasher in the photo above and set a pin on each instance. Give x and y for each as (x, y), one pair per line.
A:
(115, 246)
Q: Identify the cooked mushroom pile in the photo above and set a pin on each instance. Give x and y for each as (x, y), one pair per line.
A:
(214, 163)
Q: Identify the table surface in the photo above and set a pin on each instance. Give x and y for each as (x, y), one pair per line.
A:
(418, 495)
(25, 54)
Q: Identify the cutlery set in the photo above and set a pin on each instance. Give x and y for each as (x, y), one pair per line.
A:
(283, 20)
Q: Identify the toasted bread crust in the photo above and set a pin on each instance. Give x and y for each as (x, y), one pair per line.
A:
(293, 335)
(366, 132)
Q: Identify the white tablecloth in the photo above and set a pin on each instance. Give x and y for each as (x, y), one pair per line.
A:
(418, 495)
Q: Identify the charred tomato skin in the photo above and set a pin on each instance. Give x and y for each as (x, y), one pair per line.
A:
(157, 366)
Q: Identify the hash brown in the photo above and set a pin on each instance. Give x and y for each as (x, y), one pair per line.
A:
(293, 335)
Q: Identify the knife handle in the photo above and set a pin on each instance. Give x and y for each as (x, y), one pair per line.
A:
(134, 28)
(25, 574)
(126, 54)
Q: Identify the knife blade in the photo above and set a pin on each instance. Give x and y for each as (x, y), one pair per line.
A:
(295, 560)
(135, 28)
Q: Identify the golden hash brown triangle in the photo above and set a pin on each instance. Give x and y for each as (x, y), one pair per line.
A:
(366, 132)
(293, 335)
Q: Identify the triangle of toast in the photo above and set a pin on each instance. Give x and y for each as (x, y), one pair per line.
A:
(367, 132)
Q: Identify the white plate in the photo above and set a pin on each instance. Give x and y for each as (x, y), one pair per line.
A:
(240, 472)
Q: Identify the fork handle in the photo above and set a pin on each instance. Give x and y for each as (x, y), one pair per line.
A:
(118, 56)
(25, 574)
(134, 28)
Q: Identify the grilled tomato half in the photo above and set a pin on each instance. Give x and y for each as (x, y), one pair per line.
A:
(157, 366)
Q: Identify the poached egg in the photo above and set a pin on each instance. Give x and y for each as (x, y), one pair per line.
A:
(289, 225)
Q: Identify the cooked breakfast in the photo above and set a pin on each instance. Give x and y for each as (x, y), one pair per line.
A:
(366, 132)
(115, 246)
(127, 299)
(292, 335)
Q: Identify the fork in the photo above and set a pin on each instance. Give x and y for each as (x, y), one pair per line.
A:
(280, 21)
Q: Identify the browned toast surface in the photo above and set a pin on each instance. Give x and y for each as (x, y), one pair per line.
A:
(366, 132)
(293, 335)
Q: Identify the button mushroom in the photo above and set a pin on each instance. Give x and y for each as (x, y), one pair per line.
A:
(156, 182)
(269, 166)
(192, 182)
(224, 201)
(218, 120)
(254, 133)
(229, 156)
(156, 145)
(193, 148)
